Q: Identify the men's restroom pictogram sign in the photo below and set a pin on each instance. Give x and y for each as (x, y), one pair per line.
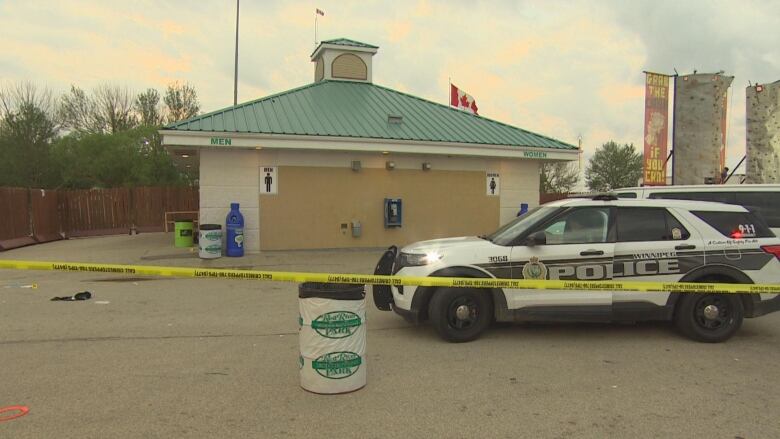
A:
(269, 180)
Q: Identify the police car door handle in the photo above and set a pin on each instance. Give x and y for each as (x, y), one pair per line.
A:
(591, 252)
(685, 247)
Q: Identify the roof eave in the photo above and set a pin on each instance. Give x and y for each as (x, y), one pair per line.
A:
(361, 144)
(324, 46)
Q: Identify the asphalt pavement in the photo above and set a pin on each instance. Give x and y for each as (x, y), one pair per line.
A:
(167, 358)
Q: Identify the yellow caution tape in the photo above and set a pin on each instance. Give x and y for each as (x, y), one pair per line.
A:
(371, 279)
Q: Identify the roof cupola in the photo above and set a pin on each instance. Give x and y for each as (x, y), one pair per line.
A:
(342, 59)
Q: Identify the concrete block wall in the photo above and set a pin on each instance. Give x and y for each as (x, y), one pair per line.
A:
(231, 176)
(519, 184)
(763, 133)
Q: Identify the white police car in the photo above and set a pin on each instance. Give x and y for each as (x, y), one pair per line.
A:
(599, 238)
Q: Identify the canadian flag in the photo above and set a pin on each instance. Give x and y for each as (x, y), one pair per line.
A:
(461, 99)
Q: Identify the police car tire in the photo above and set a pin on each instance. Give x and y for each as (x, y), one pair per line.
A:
(442, 306)
(687, 318)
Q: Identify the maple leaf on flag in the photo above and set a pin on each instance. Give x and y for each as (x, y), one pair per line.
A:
(462, 100)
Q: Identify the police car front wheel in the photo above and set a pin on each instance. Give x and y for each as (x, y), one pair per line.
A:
(710, 318)
(459, 314)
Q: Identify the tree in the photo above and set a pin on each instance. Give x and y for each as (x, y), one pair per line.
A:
(108, 110)
(147, 107)
(182, 102)
(115, 108)
(115, 160)
(28, 126)
(558, 177)
(79, 112)
(614, 166)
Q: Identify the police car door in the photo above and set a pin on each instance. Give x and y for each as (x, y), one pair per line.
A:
(652, 245)
(579, 245)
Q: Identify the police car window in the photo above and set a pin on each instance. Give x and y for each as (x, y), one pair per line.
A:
(736, 224)
(626, 195)
(648, 224)
(511, 230)
(675, 229)
(579, 226)
(641, 224)
(766, 203)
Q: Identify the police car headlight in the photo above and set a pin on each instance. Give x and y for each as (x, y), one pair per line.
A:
(415, 259)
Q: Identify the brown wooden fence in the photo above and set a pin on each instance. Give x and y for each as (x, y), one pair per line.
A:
(45, 219)
(14, 218)
(28, 216)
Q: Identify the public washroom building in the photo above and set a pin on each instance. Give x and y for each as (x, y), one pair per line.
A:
(343, 162)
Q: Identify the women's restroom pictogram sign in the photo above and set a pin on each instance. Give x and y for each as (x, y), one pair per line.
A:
(493, 184)
(269, 180)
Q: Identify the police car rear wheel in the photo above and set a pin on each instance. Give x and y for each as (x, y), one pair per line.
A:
(459, 314)
(710, 318)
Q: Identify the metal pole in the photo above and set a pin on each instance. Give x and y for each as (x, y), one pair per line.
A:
(235, 73)
(671, 153)
(735, 168)
(674, 123)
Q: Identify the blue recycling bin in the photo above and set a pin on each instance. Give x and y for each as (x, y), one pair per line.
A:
(234, 226)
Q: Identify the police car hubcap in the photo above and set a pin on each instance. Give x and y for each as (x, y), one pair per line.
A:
(711, 312)
(462, 312)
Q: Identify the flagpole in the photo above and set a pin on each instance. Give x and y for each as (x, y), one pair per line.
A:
(315, 28)
(449, 91)
(235, 73)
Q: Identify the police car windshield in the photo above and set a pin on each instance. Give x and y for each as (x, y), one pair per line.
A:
(511, 230)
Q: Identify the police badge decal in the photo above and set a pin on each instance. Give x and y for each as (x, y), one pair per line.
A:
(534, 269)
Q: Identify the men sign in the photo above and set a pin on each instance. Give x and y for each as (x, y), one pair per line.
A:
(269, 180)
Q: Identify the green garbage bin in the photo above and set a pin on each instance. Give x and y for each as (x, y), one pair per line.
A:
(183, 233)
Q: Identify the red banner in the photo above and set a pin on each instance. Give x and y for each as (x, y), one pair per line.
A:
(656, 129)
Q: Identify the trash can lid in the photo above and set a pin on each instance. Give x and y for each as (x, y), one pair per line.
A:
(210, 227)
(184, 221)
(331, 291)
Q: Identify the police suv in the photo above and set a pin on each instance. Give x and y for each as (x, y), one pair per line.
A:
(599, 238)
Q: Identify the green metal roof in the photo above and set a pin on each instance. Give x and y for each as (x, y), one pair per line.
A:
(348, 42)
(359, 109)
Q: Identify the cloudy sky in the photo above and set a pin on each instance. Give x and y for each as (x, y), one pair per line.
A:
(560, 68)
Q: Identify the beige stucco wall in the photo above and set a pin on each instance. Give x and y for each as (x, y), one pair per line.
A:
(318, 192)
(313, 203)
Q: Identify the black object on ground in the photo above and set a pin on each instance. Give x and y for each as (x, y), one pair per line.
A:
(84, 295)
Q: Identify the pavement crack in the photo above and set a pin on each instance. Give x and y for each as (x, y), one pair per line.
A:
(161, 337)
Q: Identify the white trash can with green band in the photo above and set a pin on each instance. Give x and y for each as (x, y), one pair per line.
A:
(332, 337)
(210, 241)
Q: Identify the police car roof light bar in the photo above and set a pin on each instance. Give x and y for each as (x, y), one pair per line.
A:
(599, 196)
(605, 197)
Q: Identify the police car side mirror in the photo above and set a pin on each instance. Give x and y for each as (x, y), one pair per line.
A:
(536, 238)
